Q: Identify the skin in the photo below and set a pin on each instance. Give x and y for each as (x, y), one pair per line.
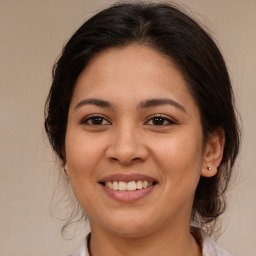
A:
(127, 139)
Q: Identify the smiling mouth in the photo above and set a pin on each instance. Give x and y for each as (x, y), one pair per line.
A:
(128, 186)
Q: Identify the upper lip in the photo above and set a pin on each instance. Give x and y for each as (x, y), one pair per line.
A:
(127, 177)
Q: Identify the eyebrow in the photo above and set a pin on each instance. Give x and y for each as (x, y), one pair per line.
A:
(97, 102)
(144, 104)
(159, 102)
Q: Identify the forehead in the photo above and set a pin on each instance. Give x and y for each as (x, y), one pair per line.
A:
(133, 73)
(128, 67)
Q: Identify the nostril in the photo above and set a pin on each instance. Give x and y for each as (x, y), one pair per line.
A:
(136, 159)
(125, 161)
(113, 159)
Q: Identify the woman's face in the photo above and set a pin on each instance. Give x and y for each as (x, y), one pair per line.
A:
(134, 143)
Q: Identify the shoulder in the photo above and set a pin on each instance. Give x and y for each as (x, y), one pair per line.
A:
(209, 246)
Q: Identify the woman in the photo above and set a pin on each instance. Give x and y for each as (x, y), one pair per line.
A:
(141, 115)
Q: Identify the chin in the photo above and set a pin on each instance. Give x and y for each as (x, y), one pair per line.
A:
(128, 226)
(130, 231)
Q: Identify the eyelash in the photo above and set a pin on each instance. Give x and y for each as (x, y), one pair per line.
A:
(161, 118)
(89, 120)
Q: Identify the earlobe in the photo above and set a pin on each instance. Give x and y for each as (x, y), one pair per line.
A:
(66, 169)
(209, 171)
(213, 153)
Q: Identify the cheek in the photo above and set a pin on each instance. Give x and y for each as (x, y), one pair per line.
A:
(82, 159)
(181, 159)
(179, 149)
(82, 153)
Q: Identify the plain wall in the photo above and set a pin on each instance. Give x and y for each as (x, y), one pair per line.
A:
(32, 33)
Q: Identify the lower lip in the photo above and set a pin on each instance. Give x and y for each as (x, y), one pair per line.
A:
(127, 196)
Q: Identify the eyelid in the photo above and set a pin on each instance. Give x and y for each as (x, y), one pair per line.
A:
(87, 118)
(169, 119)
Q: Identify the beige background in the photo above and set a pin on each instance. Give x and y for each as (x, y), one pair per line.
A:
(32, 33)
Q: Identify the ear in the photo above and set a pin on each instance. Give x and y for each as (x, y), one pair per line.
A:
(66, 170)
(213, 153)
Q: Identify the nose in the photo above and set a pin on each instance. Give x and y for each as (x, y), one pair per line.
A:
(126, 146)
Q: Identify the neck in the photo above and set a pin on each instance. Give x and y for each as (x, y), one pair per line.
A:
(179, 242)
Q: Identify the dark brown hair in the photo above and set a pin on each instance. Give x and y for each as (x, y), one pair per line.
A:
(173, 33)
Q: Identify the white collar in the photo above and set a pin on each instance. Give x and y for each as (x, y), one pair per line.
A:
(209, 246)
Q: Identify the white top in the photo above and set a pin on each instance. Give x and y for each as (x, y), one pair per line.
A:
(209, 247)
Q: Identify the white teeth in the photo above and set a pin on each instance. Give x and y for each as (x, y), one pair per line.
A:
(145, 184)
(128, 186)
(109, 184)
(139, 184)
(122, 185)
(115, 185)
(131, 185)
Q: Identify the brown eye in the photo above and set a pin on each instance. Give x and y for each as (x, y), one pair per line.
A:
(160, 121)
(95, 121)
